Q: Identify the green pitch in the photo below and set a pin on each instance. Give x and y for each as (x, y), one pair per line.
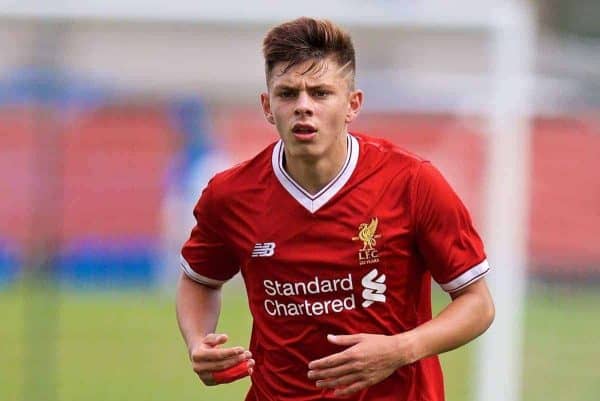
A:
(115, 346)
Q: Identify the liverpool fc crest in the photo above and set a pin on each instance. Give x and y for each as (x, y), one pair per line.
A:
(367, 233)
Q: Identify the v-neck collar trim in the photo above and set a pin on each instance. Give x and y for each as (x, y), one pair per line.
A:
(312, 203)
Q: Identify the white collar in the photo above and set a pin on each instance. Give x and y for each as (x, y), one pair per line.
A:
(314, 202)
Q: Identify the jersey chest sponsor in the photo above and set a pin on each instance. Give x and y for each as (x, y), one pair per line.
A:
(323, 296)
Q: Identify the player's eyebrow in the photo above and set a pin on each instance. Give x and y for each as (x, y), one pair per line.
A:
(286, 86)
(321, 86)
(283, 87)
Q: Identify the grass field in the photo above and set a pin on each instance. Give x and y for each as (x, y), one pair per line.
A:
(113, 346)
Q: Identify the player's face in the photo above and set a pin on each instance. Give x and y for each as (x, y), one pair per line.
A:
(311, 108)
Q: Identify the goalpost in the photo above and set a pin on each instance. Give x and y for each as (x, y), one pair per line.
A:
(507, 202)
(510, 28)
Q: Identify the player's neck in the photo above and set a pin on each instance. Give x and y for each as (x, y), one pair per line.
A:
(314, 174)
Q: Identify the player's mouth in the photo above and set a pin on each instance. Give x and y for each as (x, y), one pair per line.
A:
(304, 132)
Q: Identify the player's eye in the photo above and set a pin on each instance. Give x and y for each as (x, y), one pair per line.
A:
(286, 94)
(321, 93)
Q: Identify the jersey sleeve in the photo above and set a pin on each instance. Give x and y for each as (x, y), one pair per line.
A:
(206, 257)
(445, 236)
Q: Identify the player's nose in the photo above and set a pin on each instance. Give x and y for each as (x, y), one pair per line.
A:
(304, 104)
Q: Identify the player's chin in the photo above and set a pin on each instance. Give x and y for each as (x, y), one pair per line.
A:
(299, 142)
(304, 150)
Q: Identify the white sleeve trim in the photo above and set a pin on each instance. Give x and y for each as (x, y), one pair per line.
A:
(470, 276)
(187, 269)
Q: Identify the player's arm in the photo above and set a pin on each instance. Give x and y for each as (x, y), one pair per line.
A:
(469, 314)
(198, 307)
(207, 262)
(454, 254)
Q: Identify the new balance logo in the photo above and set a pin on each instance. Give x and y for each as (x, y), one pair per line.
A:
(374, 288)
(263, 250)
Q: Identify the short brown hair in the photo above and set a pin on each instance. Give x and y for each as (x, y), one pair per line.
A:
(305, 39)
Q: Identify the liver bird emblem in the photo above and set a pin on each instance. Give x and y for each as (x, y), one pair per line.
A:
(367, 233)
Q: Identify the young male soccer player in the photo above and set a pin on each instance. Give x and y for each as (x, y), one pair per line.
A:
(337, 236)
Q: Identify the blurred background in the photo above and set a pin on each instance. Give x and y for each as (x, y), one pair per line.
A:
(114, 114)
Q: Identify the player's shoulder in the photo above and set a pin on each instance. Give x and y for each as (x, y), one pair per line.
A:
(244, 176)
(379, 151)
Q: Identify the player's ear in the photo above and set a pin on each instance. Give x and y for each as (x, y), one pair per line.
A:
(355, 102)
(266, 106)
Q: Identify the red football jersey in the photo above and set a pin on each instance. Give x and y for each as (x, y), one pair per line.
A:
(357, 257)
